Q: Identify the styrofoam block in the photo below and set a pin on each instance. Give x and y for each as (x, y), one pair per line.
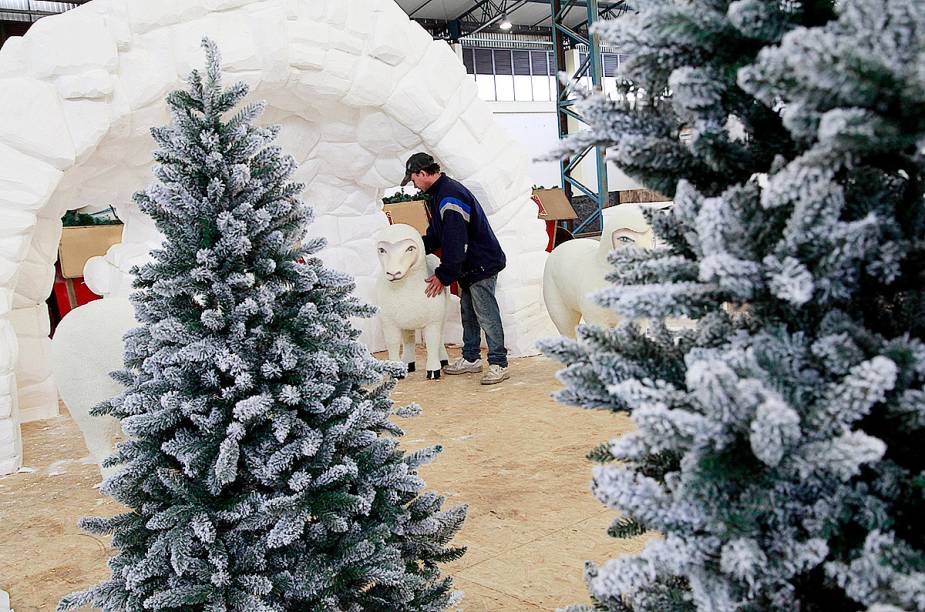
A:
(478, 117)
(275, 115)
(323, 197)
(358, 18)
(266, 21)
(345, 160)
(38, 401)
(146, 72)
(7, 384)
(32, 121)
(229, 31)
(327, 227)
(31, 322)
(373, 179)
(393, 49)
(462, 153)
(90, 84)
(88, 122)
(441, 69)
(459, 103)
(70, 44)
(17, 222)
(528, 270)
(405, 137)
(412, 105)
(33, 361)
(14, 248)
(224, 5)
(13, 59)
(9, 347)
(11, 464)
(7, 432)
(489, 186)
(392, 168)
(26, 183)
(35, 282)
(317, 89)
(307, 57)
(360, 206)
(116, 20)
(8, 270)
(373, 82)
(145, 15)
(338, 131)
(356, 232)
(6, 301)
(298, 137)
(380, 134)
(307, 171)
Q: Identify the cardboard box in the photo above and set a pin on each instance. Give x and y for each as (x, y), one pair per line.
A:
(413, 213)
(553, 204)
(78, 244)
(641, 196)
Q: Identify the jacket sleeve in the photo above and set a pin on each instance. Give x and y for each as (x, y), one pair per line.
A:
(455, 238)
(431, 240)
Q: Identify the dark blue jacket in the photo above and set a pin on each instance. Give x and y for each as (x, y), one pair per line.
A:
(458, 226)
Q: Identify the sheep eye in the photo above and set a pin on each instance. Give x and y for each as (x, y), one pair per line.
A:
(382, 251)
(411, 248)
(626, 240)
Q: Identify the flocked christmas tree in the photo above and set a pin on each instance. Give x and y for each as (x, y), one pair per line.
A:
(263, 471)
(777, 448)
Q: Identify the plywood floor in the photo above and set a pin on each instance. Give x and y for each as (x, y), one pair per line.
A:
(511, 453)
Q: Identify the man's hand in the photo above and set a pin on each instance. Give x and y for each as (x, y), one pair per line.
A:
(434, 287)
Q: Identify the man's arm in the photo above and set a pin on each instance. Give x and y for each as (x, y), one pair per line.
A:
(455, 215)
(431, 240)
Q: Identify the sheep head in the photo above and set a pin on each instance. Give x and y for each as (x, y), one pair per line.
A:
(626, 225)
(401, 251)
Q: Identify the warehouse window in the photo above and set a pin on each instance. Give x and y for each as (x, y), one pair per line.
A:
(525, 75)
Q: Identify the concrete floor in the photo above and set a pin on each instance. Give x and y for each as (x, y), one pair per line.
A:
(510, 452)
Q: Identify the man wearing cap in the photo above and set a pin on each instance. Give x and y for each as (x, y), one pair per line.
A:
(470, 256)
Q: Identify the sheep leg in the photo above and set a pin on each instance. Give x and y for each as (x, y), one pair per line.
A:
(563, 317)
(392, 335)
(408, 349)
(433, 340)
(444, 357)
(98, 434)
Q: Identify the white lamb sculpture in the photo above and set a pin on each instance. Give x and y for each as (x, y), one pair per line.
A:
(576, 269)
(86, 347)
(403, 307)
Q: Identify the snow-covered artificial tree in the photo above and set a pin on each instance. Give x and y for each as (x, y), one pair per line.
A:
(263, 472)
(777, 444)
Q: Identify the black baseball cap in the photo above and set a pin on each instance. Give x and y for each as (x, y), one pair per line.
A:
(416, 163)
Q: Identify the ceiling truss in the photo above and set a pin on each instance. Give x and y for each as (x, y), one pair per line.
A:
(486, 15)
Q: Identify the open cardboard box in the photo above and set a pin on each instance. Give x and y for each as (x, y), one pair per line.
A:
(413, 213)
(78, 244)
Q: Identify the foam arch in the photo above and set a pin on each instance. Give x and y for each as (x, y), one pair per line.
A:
(356, 85)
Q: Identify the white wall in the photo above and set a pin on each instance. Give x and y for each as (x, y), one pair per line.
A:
(533, 125)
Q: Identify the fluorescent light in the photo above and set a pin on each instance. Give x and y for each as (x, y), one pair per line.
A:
(505, 23)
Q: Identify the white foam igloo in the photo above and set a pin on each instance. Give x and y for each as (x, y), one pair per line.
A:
(356, 85)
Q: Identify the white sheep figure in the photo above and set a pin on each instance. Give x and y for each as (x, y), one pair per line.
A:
(403, 307)
(86, 347)
(576, 269)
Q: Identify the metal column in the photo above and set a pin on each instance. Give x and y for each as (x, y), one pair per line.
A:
(592, 67)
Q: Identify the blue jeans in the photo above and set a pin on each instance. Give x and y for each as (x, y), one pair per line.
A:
(479, 310)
